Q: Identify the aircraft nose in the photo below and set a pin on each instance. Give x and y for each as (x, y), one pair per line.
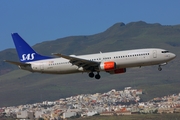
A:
(173, 55)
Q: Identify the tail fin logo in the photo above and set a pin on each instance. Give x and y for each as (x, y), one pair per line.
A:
(28, 57)
(25, 52)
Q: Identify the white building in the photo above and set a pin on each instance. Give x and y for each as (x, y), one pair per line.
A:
(22, 114)
(91, 113)
(69, 114)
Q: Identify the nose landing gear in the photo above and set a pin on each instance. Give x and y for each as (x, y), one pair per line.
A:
(159, 68)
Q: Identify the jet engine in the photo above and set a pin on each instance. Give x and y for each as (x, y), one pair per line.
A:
(107, 66)
(118, 71)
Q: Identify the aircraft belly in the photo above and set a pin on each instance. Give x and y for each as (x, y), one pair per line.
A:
(62, 69)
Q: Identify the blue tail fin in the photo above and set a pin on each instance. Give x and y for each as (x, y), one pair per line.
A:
(25, 52)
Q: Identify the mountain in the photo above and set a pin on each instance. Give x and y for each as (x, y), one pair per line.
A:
(22, 87)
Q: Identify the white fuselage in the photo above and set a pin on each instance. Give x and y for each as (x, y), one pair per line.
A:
(123, 59)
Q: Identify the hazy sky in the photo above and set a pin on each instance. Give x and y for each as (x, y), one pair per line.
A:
(42, 20)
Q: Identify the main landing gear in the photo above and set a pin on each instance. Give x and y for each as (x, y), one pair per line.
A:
(97, 76)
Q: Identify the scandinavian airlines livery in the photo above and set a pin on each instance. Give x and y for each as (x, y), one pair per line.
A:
(111, 62)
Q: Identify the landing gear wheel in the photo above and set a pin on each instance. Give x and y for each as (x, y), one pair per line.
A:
(97, 76)
(91, 75)
(159, 68)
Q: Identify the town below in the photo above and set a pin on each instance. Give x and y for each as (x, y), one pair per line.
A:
(123, 102)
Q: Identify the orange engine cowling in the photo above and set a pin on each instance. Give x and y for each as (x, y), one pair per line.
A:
(118, 71)
(108, 66)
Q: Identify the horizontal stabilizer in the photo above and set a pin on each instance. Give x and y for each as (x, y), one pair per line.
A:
(17, 63)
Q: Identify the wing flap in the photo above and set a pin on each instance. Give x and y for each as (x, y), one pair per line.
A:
(86, 64)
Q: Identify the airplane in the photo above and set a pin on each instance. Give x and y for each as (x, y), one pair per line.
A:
(111, 62)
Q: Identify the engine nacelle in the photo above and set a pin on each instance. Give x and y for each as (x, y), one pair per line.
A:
(118, 71)
(107, 66)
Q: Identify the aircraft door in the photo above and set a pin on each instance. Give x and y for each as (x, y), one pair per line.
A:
(154, 54)
(41, 67)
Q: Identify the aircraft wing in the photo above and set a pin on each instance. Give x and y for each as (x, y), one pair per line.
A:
(17, 63)
(86, 64)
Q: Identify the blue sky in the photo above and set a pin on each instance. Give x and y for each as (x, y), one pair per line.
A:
(42, 20)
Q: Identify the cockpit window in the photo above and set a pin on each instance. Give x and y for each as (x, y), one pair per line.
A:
(164, 51)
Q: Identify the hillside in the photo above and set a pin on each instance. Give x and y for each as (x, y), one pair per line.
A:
(21, 87)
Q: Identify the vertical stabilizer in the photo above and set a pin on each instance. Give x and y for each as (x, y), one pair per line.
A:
(25, 52)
